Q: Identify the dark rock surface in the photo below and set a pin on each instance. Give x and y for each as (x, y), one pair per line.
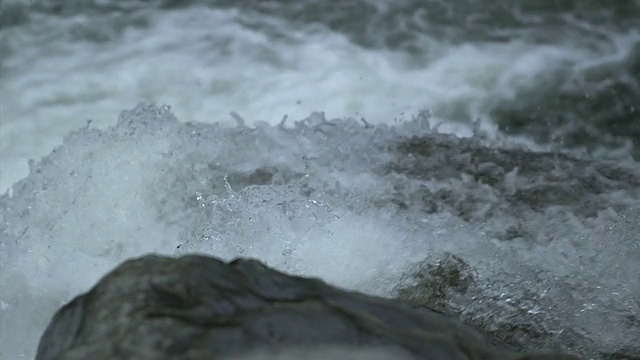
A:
(198, 307)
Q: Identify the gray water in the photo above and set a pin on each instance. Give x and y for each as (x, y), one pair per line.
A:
(478, 157)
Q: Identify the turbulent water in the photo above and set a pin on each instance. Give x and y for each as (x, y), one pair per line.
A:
(477, 157)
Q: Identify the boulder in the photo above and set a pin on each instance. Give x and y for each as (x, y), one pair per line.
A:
(199, 307)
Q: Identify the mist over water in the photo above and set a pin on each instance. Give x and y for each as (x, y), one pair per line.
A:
(487, 139)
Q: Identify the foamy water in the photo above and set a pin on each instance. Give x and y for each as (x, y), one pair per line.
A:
(347, 199)
(60, 71)
(331, 199)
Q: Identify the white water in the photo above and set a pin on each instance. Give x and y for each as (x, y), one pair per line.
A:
(153, 185)
(106, 197)
(102, 199)
(204, 63)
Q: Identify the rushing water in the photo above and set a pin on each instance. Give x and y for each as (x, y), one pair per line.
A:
(523, 220)
(564, 74)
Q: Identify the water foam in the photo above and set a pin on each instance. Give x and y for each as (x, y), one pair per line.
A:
(105, 196)
(62, 71)
(355, 204)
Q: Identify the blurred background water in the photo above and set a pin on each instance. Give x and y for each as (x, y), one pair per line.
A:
(558, 74)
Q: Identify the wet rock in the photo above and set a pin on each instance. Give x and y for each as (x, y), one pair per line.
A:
(198, 307)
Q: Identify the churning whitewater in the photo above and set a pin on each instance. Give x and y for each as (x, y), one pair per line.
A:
(476, 157)
(537, 247)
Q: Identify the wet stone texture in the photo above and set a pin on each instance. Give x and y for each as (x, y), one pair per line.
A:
(198, 307)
